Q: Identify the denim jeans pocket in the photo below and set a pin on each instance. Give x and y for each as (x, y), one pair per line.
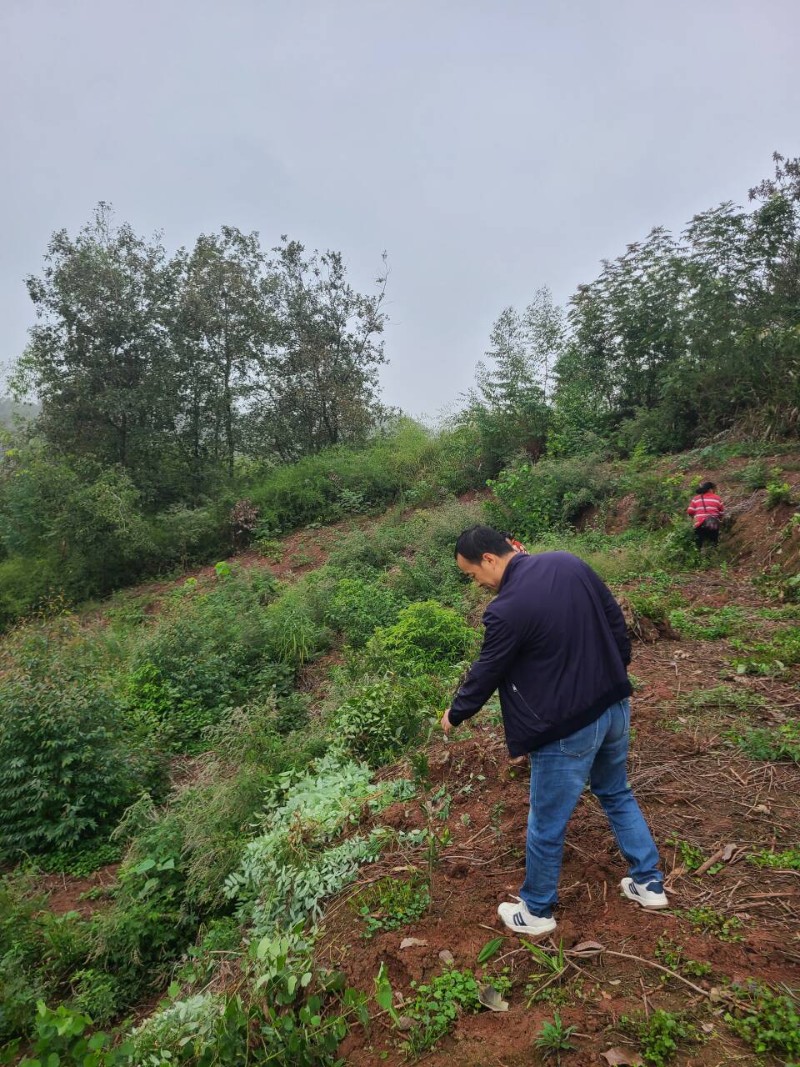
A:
(582, 742)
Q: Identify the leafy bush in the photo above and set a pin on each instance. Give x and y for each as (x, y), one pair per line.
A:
(660, 1035)
(39, 951)
(382, 718)
(27, 583)
(531, 499)
(426, 638)
(358, 607)
(202, 658)
(67, 765)
(149, 922)
(63, 1037)
(657, 498)
(288, 869)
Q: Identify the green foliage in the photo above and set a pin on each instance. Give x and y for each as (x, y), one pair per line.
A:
(708, 624)
(788, 860)
(672, 956)
(384, 716)
(392, 903)
(777, 492)
(709, 921)
(660, 1035)
(657, 497)
(202, 658)
(68, 767)
(691, 856)
(425, 639)
(773, 1026)
(554, 494)
(754, 475)
(721, 698)
(358, 607)
(554, 1038)
(83, 860)
(63, 1038)
(769, 657)
(288, 869)
(39, 952)
(437, 1006)
(781, 742)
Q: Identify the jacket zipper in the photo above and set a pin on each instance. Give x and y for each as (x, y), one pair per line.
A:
(524, 702)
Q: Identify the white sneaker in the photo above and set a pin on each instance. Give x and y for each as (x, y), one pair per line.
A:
(652, 899)
(519, 920)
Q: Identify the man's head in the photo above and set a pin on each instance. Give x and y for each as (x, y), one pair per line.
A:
(483, 554)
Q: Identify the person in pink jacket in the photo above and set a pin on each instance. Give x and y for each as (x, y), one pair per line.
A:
(706, 510)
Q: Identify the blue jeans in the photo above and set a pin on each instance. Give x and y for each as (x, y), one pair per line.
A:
(598, 753)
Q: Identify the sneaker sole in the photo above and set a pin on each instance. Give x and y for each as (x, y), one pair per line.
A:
(640, 902)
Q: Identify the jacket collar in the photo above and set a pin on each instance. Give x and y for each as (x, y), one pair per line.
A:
(512, 563)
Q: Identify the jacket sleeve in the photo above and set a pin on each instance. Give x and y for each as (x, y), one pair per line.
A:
(691, 509)
(498, 652)
(616, 620)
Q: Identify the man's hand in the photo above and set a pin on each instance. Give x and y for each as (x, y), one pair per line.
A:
(447, 726)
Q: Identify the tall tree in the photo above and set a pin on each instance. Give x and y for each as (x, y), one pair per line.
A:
(99, 355)
(223, 325)
(318, 384)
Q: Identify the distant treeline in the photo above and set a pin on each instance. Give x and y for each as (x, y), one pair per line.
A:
(172, 386)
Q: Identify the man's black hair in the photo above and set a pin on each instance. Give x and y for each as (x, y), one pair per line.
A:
(475, 540)
(705, 487)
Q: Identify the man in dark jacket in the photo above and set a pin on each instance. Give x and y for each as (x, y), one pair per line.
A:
(556, 648)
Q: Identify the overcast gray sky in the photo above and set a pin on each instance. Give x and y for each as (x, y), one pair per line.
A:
(489, 147)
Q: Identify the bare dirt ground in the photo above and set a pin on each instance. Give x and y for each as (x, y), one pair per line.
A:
(697, 790)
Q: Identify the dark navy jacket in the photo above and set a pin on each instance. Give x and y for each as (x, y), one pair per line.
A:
(556, 647)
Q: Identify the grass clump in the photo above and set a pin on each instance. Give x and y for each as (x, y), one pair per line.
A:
(392, 903)
(554, 1038)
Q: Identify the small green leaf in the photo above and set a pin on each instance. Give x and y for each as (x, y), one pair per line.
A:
(490, 949)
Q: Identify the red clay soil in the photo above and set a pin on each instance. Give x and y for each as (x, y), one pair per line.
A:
(694, 787)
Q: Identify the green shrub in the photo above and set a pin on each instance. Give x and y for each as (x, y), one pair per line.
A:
(67, 765)
(358, 607)
(425, 639)
(382, 718)
(202, 657)
(754, 475)
(657, 498)
(26, 583)
(63, 1037)
(39, 951)
(554, 494)
(661, 1035)
(149, 922)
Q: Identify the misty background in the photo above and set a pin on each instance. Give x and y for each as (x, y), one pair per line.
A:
(488, 148)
